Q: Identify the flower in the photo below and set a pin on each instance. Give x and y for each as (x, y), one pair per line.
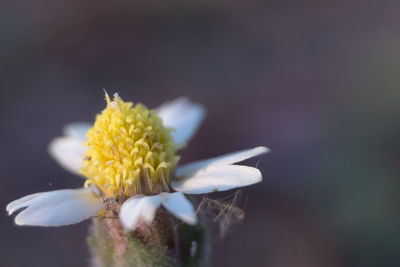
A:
(129, 155)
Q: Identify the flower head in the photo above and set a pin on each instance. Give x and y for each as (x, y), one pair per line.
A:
(129, 155)
(129, 151)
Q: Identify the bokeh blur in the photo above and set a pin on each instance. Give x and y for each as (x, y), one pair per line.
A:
(316, 81)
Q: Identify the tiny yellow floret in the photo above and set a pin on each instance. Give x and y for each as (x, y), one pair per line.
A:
(129, 151)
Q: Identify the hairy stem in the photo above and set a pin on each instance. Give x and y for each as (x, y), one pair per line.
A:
(165, 242)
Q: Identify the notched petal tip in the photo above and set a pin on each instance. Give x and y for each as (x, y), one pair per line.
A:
(18, 203)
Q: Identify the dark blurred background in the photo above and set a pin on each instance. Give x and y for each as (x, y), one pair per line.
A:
(316, 81)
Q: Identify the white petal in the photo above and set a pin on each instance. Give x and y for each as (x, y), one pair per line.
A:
(56, 208)
(68, 152)
(218, 178)
(190, 168)
(182, 115)
(139, 207)
(77, 129)
(180, 207)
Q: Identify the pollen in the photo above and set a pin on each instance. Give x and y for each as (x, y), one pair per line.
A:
(129, 151)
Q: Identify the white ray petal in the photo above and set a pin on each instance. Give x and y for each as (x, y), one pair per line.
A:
(77, 129)
(182, 115)
(56, 208)
(190, 168)
(68, 152)
(139, 207)
(218, 178)
(180, 207)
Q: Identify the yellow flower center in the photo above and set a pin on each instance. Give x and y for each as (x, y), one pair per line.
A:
(129, 151)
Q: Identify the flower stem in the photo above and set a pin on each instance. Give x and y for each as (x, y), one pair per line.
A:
(165, 242)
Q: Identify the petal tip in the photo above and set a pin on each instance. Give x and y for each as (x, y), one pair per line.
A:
(18, 222)
(192, 221)
(127, 226)
(8, 208)
(10, 211)
(262, 150)
(51, 147)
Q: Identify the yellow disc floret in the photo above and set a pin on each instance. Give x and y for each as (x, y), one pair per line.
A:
(129, 151)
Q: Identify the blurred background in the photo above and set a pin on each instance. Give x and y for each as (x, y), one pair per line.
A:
(316, 81)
